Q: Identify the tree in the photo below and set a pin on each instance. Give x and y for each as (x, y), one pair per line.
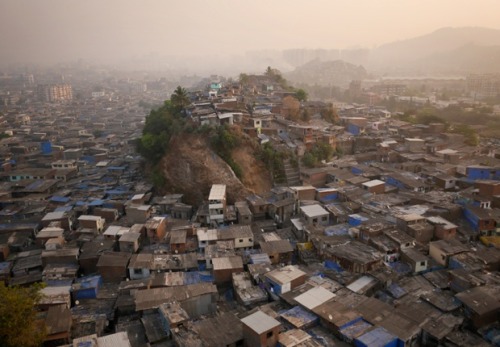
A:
(330, 115)
(180, 99)
(309, 160)
(273, 160)
(276, 76)
(18, 322)
(320, 152)
(290, 108)
(243, 78)
(301, 95)
(470, 136)
(306, 117)
(160, 125)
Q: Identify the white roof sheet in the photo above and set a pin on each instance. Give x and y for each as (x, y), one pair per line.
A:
(89, 217)
(314, 210)
(285, 274)
(373, 183)
(260, 322)
(217, 192)
(119, 339)
(206, 234)
(360, 283)
(314, 297)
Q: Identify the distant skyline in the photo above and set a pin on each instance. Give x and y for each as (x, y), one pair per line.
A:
(50, 31)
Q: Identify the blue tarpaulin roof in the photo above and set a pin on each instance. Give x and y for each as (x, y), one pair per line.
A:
(116, 192)
(89, 159)
(5, 265)
(332, 265)
(63, 209)
(378, 337)
(355, 329)
(400, 267)
(396, 291)
(89, 281)
(62, 199)
(97, 202)
(35, 185)
(339, 229)
(306, 317)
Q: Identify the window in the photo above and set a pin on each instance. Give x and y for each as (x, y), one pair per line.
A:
(240, 240)
(315, 220)
(269, 334)
(422, 263)
(250, 240)
(137, 271)
(323, 218)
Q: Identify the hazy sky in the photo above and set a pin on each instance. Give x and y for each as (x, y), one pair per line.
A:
(59, 30)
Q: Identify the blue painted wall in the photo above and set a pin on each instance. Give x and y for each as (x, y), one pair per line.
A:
(471, 218)
(483, 173)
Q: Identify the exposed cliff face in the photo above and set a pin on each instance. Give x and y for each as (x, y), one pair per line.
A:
(191, 167)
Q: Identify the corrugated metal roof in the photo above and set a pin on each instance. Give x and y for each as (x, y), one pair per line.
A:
(314, 210)
(360, 283)
(260, 322)
(285, 274)
(114, 340)
(314, 297)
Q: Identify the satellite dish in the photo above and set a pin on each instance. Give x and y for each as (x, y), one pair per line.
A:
(77, 302)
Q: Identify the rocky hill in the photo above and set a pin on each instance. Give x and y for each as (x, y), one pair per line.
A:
(190, 167)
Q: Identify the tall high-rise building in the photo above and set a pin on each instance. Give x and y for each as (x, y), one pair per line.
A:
(55, 92)
(483, 85)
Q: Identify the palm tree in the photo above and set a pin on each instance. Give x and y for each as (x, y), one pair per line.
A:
(180, 99)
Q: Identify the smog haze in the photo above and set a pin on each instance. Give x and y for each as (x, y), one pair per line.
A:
(123, 31)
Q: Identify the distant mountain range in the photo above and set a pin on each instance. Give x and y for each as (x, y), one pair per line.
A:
(446, 52)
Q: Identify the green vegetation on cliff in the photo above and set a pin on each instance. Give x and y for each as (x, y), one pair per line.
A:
(319, 152)
(273, 159)
(19, 325)
(223, 141)
(169, 120)
(160, 125)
